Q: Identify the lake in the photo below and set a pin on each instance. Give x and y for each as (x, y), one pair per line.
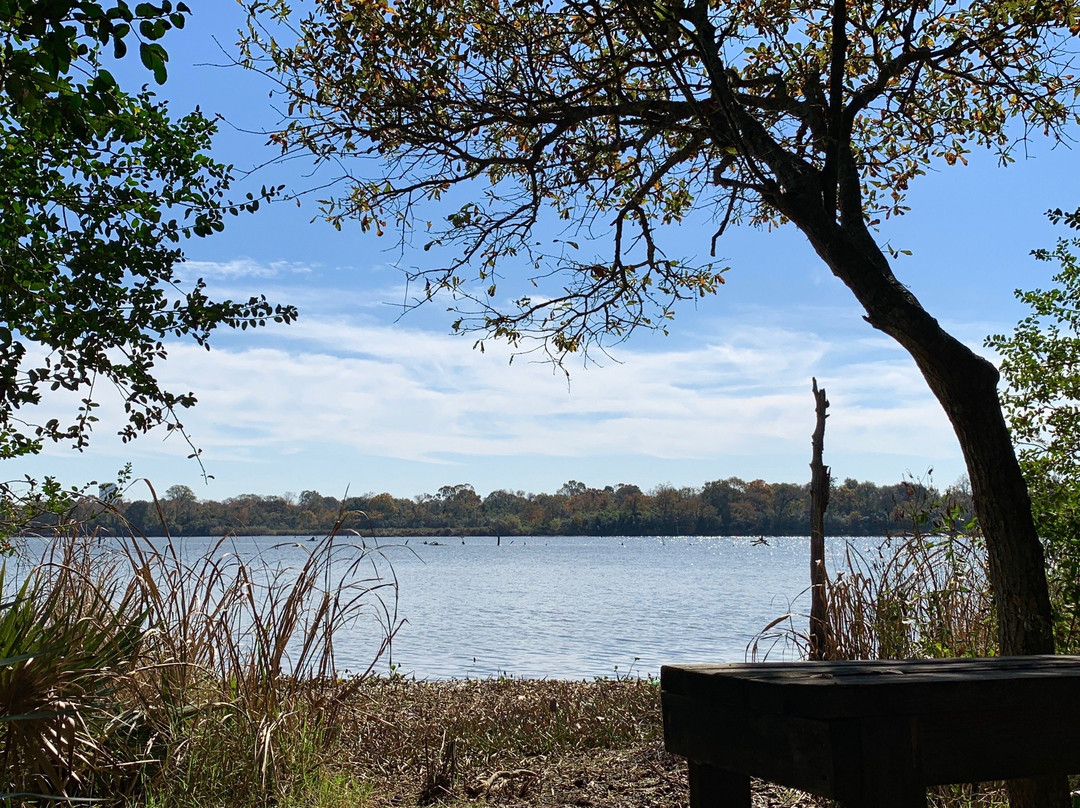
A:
(567, 607)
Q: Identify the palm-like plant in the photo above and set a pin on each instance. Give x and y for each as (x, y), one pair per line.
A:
(66, 640)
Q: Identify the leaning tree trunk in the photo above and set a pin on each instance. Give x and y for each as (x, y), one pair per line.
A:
(966, 386)
(964, 383)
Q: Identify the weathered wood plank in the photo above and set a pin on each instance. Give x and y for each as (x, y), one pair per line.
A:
(839, 689)
(787, 750)
(878, 767)
(996, 744)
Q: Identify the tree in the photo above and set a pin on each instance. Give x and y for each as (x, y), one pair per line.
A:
(1041, 367)
(571, 488)
(622, 117)
(100, 188)
(179, 506)
(720, 494)
(459, 505)
(180, 493)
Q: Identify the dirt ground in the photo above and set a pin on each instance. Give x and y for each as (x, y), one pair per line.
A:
(630, 778)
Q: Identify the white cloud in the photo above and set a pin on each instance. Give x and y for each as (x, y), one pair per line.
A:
(400, 393)
(243, 268)
(724, 399)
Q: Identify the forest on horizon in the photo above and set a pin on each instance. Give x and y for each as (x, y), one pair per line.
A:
(731, 506)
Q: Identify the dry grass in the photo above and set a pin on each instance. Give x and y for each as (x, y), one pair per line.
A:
(917, 597)
(508, 741)
(514, 742)
(914, 597)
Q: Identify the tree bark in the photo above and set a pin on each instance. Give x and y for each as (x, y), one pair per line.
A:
(819, 501)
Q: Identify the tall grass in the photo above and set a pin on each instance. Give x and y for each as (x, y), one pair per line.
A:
(924, 593)
(128, 671)
(918, 597)
(914, 597)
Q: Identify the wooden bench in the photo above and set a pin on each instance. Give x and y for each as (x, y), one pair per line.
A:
(870, 733)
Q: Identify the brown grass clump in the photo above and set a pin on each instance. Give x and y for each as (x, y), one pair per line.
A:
(918, 597)
(913, 597)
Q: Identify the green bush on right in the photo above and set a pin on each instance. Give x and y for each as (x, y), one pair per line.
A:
(1041, 400)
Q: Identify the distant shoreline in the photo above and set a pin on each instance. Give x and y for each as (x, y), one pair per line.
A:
(731, 507)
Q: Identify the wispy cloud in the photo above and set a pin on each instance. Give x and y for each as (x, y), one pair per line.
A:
(408, 394)
(243, 268)
(724, 394)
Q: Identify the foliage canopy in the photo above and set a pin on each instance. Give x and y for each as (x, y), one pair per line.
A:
(100, 188)
(621, 117)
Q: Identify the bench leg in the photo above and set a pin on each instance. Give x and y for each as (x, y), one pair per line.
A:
(711, 787)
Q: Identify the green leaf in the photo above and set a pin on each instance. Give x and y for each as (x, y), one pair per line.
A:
(146, 53)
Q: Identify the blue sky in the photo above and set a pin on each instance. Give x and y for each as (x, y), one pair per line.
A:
(354, 396)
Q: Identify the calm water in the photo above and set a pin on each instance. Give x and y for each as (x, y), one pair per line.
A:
(567, 607)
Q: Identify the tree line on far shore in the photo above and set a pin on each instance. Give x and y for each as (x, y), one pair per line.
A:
(723, 507)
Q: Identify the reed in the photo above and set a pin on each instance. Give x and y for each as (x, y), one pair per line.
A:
(914, 597)
(917, 597)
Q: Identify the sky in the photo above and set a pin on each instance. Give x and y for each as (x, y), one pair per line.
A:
(358, 397)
